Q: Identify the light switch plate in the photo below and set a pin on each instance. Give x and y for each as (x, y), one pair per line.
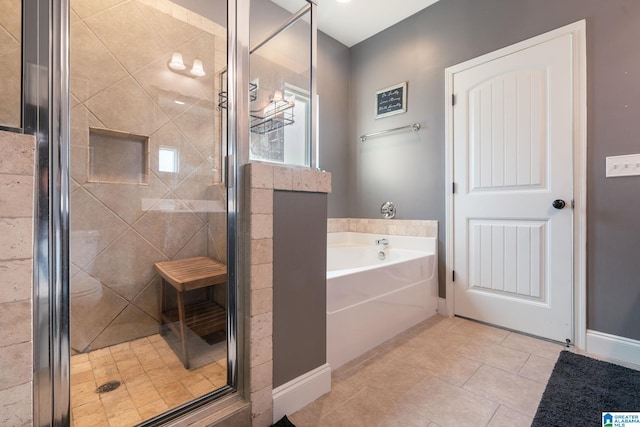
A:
(623, 165)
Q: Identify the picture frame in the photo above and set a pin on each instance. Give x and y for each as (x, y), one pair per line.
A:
(391, 100)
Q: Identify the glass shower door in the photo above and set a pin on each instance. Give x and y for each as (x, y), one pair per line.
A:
(148, 236)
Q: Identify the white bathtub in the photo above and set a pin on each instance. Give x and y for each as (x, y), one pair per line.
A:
(371, 300)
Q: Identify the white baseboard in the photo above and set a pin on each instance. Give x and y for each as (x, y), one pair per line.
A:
(299, 392)
(442, 306)
(613, 347)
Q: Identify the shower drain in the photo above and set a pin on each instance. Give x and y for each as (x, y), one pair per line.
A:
(108, 386)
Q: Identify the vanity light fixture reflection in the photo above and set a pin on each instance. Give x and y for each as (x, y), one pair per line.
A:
(177, 64)
(197, 69)
(279, 106)
(277, 96)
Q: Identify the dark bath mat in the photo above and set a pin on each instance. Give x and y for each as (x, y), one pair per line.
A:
(284, 422)
(581, 389)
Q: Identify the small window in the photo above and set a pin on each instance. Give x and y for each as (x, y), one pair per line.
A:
(168, 159)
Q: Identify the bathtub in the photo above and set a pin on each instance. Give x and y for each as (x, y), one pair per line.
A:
(371, 300)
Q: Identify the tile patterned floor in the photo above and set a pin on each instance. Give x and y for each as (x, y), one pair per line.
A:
(443, 372)
(153, 381)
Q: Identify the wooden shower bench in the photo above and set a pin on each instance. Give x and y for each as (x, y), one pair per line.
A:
(203, 318)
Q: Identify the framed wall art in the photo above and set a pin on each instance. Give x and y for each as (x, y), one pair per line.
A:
(391, 100)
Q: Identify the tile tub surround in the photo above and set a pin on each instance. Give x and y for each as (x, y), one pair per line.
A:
(120, 81)
(398, 227)
(16, 278)
(261, 179)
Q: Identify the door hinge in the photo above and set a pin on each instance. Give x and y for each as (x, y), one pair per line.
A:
(453, 188)
(453, 276)
(453, 99)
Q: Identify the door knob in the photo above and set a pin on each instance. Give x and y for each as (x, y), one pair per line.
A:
(558, 204)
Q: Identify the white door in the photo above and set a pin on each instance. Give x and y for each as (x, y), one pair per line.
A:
(512, 158)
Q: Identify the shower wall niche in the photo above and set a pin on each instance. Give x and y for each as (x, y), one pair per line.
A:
(118, 157)
(145, 160)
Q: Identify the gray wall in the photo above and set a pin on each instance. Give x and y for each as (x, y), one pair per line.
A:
(409, 169)
(333, 138)
(299, 284)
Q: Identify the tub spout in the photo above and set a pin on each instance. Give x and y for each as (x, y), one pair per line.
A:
(384, 242)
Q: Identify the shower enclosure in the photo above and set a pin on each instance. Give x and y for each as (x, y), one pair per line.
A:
(130, 164)
(146, 191)
(144, 112)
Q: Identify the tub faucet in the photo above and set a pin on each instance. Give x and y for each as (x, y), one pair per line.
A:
(384, 242)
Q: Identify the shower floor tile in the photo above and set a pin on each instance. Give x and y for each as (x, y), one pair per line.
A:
(153, 380)
(442, 372)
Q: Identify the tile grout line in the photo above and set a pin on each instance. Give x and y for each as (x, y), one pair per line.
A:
(320, 417)
(493, 415)
(500, 403)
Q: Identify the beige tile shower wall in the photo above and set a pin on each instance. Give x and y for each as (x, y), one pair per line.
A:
(16, 278)
(10, 62)
(261, 180)
(398, 227)
(120, 81)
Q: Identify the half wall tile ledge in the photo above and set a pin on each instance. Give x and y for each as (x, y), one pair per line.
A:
(311, 181)
(288, 178)
(260, 175)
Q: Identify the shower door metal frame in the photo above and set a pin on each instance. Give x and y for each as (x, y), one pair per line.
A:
(46, 115)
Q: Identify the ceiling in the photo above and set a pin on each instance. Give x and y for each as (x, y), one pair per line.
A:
(352, 22)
